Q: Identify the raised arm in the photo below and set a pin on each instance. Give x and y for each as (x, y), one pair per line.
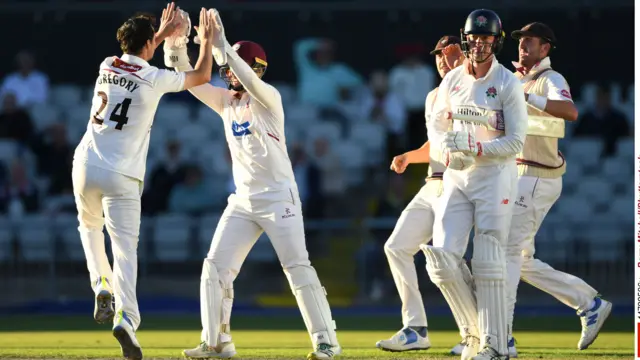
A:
(175, 56)
(558, 101)
(301, 52)
(514, 108)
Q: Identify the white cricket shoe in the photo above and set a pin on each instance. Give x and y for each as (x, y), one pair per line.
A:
(103, 309)
(224, 350)
(124, 333)
(471, 348)
(324, 351)
(513, 352)
(489, 353)
(592, 321)
(511, 346)
(406, 339)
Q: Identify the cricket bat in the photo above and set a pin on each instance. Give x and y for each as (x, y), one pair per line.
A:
(538, 125)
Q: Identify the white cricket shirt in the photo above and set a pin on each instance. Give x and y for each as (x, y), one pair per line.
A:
(254, 130)
(437, 126)
(125, 100)
(499, 93)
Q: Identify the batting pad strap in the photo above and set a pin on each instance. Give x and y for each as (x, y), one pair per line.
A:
(312, 301)
(210, 303)
(445, 271)
(176, 57)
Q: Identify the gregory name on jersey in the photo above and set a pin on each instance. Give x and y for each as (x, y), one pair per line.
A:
(113, 79)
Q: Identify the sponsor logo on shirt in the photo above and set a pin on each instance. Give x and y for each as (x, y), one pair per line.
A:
(240, 129)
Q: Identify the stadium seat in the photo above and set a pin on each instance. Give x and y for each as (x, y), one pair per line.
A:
(625, 148)
(6, 244)
(73, 249)
(287, 92)
(192, 135)
(8, 151)
(617, 167)
(171, 237)
(353, 161)
(327, 129)
(172, 115)
(586, 151)
(66, 96)
(62, 221)
(206, 227)
(602, 241)
(301, 113)
(588, 93)
(36, 243)
(575, 209)
(373, 138)
(622, 208)
(596, 190)
(43, 116)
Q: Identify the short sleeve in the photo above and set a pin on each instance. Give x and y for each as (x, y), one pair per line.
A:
(168, 81)
(557, 87)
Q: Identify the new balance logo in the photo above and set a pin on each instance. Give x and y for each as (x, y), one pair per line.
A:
(240, 129)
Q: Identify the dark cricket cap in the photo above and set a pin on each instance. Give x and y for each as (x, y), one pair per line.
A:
(535, 29)
(444, 42)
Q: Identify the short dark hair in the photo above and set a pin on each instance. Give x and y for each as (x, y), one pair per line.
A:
(135, 32)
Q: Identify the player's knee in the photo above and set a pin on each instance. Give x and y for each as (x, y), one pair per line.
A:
(301, 276)
(209, 271)
(442, 265)
(488, 261)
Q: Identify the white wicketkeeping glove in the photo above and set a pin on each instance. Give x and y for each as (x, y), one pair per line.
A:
(457, 160)
(462, 142)
(219, 39)
(175, 46)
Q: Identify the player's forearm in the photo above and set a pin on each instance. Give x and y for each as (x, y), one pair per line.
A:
(206, 93)
(504, 146)
(558, 108)
(420, 155)
(205, 62)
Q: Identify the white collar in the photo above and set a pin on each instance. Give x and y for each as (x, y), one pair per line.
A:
(542, 64)
(132, 59)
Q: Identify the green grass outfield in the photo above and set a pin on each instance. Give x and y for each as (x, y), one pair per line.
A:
(164, 337)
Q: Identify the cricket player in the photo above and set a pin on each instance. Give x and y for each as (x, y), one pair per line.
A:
(479, 187)
(540, 170)
(109, 163)
(415, 225)
(266, 198)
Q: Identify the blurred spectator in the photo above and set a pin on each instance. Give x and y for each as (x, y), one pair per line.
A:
(385, 107)
(320, 79)
(603, 121)
(15, 123)
(193, 195)
(30, 85)
(308, 178)
(20, 194)
(167, 174)
(412, 80)
(332, 180)
(54, 157)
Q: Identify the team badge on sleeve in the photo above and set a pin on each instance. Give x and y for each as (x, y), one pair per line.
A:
(565, 93)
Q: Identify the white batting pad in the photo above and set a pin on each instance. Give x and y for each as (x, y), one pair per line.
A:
(313, 304)
(446, 272)
(210, 303)
(489, 271)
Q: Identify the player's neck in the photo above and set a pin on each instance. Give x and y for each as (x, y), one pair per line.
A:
(480, 70)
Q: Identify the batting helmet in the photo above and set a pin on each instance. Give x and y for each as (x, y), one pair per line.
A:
(253, 54)
(483, 22)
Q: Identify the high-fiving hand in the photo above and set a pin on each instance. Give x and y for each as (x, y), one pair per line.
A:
(169, 22)
(206, 27)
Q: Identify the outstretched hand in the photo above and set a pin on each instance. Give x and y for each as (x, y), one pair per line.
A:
(169, 22)
(453, 55)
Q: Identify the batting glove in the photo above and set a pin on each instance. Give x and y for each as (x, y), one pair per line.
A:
(462, 142)
(175, 46)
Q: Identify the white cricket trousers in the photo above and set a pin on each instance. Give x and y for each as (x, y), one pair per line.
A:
(414, 227)
(535, 198)
(97, 190)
